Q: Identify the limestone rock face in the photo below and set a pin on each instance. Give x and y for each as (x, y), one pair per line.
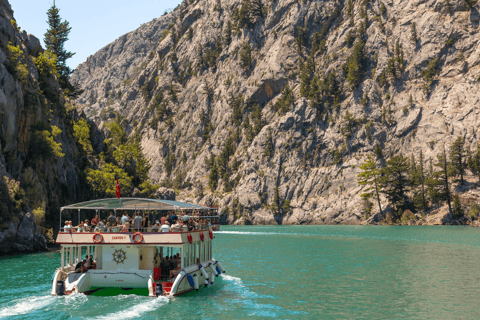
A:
(30, 104)
(176, 80)
(165, 194)
(29, 238)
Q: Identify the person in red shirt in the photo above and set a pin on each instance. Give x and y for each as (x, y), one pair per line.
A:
(163, 219)
(94, 222)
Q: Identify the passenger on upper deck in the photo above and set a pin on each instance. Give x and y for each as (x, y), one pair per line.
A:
(125, 218)
(111, 218)
(126, 227)
(165, 227)
(80, 227)
(156, 227)
(94, 221)
(67, 227)
(137, 222)
(163, 219)
(86, 226)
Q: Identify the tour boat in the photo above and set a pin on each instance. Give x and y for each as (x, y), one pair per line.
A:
(134, 259)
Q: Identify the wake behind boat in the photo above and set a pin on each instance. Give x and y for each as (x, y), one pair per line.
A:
(166, 260)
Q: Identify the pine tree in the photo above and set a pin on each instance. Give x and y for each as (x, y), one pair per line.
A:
(457, 158)
(395, 182)
(369, 177)
(213, 177)
(474, 163)
(457, 207)
(55, 39)
(442, 177)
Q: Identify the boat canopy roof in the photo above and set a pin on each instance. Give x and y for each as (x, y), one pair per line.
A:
(135, 204)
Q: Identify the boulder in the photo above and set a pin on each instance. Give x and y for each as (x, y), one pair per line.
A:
(165, 194)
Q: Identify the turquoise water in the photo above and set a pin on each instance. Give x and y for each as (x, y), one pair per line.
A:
(288, 272)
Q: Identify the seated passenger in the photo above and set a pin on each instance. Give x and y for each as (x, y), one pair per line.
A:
(166, 227)
(156, 227)
(80, 227)
(176, 271)
(125, 227)
(86, 226)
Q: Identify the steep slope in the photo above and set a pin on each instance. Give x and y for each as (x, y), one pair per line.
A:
(267, 108)
(38, 154)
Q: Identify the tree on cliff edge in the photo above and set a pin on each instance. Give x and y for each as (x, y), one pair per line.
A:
(55, 38)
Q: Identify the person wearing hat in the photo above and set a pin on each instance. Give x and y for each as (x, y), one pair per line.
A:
(165, 227)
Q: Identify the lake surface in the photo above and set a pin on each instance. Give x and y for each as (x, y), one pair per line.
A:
(288, 272)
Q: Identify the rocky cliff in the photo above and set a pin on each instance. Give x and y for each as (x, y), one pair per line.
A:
(38, 154)
(268, 107)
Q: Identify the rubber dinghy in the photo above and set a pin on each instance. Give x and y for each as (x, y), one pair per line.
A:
(168, 261)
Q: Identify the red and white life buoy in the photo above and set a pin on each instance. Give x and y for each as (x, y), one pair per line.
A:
(96, 239)
(189, 237)
(202, 237)
(135, 237)
(211, 234)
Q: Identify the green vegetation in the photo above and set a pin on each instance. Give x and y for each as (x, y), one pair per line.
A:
(369, 177)
(286, 100)
(17, 67)
(42, 144)
(355, 64)
(246, 60)
(81, 133)
(457, 158)
(428, 73)
(55, 38)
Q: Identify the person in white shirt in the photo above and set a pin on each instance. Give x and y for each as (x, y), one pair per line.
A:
(165, 227)
(67, 227)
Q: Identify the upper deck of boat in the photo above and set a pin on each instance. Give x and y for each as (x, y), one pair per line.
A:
(104, 207)
(132, 238)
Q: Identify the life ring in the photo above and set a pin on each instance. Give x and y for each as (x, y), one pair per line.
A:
(95, 237)
(202, 237)
(189, 237)
(211, 234)
(135, 237)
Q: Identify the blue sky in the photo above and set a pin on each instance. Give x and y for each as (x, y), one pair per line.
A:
(94, 23)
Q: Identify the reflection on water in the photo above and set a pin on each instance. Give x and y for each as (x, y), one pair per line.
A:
(287, 272)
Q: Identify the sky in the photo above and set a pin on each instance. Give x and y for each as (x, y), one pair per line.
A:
(94, 23)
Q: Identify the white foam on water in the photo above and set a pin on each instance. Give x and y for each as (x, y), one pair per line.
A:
(252, 233)
(26, 305)
(232, 278)
(138, 310)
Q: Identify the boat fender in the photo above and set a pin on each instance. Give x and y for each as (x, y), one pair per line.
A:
(218, 270)
(205, 283)
(212, 281)
(96, 237)
(204, 273)
(215, 272)
(195, 282)
(135, 237)
(211, 234)
(189, 237)
(190, 280)
(202, 237)
(158, 289)
(221, 267)
(60, 288)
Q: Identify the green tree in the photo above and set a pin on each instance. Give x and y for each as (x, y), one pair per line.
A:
(246, 60)
(213, 178)
(55, 38)
(369, 177)
(103, 181)
(457, 158)
(474, 163)
(81, 133)
(442, 177)
(394, 182)
(417, 179)
(354, 64)
(458, 211)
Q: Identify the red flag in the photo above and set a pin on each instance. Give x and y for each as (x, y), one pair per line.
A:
(118, 190)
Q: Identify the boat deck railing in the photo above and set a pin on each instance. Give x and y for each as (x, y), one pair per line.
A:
(120, 229)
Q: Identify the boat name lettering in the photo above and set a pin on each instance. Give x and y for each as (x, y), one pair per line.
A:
(119, 238)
